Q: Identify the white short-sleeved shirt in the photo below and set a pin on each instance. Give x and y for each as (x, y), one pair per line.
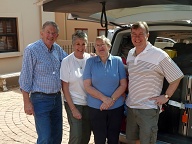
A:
(71, 72)
(146, 74)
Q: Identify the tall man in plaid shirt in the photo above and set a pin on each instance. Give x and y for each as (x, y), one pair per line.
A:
(40, 84)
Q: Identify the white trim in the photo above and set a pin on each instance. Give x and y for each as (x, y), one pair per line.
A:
(10, 54)
(41, 2)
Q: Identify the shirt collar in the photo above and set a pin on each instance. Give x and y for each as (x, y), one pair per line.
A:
(147, 48)
(45, 47)
(99, 60)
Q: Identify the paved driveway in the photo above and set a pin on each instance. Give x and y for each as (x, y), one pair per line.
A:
(18, 128)
(15, 126)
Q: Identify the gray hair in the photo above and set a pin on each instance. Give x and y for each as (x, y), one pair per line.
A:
(79, 35)
(140, 24)
(106, 40)
(47, 23)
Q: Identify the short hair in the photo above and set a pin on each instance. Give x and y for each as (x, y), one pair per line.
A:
(140, 24)
(79, 35)
(106, 40)
(47, 23)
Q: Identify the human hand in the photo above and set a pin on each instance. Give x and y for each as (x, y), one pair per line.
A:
(28, 108)
(159, 100)
(76, 113)
(108, 101)
(93, 54)
(104, 106)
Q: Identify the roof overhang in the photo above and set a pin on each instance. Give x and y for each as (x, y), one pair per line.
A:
(41, 2)
(119, 11)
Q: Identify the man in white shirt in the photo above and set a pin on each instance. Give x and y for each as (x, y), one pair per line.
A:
(147, 67)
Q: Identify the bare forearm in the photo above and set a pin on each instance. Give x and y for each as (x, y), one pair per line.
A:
(75, 112)
(172, 87)
(94, 93)
(25, 96)
(28, 107)
(120, 90)
(65, 88)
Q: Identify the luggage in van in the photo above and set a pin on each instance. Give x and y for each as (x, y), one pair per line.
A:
(180, 48)
(171, 53)
(185, 126)
(176, 117)
(184, 62)
(170, 116)
(184, 57)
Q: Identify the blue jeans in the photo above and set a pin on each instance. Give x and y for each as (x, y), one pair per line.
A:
(48, 117)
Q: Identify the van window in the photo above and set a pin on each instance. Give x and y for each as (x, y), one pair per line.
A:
(162, 42)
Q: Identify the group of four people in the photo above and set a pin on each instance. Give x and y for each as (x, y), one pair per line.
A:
(94, 86)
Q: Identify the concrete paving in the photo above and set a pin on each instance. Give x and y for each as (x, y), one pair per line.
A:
(18, 128)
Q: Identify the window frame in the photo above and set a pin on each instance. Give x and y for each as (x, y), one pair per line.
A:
(100, 30)
(8, 35)
(82, 29)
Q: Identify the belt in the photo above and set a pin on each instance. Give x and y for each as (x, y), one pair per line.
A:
(47, 93)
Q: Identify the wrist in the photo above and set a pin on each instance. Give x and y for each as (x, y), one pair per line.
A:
(114, 99)
(167, 96)
(103, 98)
(72, 109)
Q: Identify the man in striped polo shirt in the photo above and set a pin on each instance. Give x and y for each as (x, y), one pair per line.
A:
(147, 67)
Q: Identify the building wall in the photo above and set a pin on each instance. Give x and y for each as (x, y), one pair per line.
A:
(30, 17)
(67, 27)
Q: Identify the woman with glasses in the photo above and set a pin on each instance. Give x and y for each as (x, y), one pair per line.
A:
(105, 82)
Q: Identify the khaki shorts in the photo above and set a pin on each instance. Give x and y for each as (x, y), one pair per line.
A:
(142, 125)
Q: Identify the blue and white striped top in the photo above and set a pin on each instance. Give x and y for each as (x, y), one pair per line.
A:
(41, 68)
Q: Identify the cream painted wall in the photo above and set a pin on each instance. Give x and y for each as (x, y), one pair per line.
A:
(28, 30)
(46, 16)
(30, 19)
(91, 26)
(60, 20)
(67, 27)
(29, 24)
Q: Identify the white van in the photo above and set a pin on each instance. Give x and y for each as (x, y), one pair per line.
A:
(170, 28)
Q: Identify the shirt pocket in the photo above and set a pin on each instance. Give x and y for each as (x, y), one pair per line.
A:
(43, 67)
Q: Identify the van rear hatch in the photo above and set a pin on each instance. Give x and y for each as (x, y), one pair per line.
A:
(123, 11)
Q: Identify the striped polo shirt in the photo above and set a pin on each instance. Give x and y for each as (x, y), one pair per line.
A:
(146, 74)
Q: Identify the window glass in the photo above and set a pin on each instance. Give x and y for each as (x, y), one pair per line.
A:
(100, 32)
(8, 35)
(82, 29)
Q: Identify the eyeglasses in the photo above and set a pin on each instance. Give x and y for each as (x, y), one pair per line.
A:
(99, 45)
(139, 35)
(51, 33)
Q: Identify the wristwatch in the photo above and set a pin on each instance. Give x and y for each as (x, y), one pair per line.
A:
(113, 99)
(166, 96)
